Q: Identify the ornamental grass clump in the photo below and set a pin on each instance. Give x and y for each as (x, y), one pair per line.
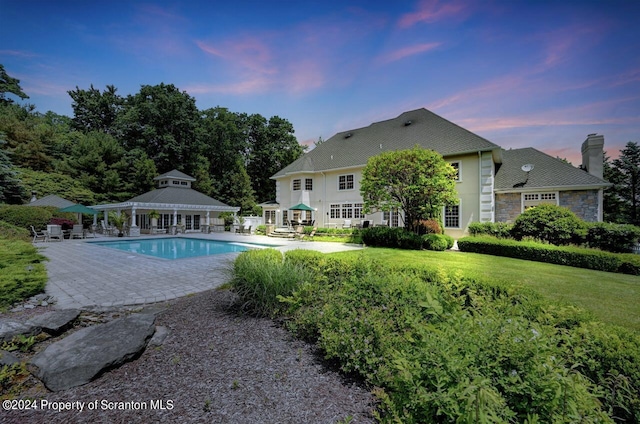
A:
(259, 277)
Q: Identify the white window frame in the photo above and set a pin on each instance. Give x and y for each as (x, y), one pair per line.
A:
(296, 182)
(308, 184)
(459, 163)
(537, 198)
(444, 215)
(335, 211)
(346, 182)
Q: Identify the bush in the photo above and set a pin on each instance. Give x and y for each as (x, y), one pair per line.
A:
(560, 255)
(391, 237)
(25, 216)
(449, 239)
(429, 226)
(435, 242)
(612, 237)
(495, 229)
(261, 229)
(554, 224)
(259, 277)
(8, 231)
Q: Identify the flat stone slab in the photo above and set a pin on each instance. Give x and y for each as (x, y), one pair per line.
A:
(9, 329)
(8, 358)
(55, 322)
(86, 354)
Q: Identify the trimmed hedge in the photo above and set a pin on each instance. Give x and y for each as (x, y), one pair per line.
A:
(9, 231)
(396, 237)
(560, 255)
(495, 229)
(550, 223)
(620, 238)
(436, 242)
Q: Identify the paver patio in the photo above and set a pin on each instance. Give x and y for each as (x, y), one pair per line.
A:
(84, 275)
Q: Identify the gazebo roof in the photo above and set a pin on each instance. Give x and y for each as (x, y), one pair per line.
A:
(52, 200)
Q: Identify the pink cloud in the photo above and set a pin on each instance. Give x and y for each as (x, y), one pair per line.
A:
(407, 51)
(430, 11)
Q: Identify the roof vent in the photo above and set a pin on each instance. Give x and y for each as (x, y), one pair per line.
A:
(381, 145)
(407, 123)
(348, 135)
(331, 157)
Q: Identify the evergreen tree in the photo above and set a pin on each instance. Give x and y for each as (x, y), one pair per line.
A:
(11, 191)
(628, 186)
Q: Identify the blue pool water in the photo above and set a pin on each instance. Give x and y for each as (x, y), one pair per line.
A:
(174, 247)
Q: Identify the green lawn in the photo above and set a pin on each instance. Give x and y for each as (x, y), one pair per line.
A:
(612, 298)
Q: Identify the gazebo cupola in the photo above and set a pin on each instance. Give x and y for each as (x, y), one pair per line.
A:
(174, 178)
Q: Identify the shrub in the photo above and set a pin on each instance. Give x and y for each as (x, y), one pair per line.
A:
(259, 277)
(22, 272)
(449, 239)
(435, 242)
(429, 226)
(25, 216)
(560, 255)
(8, 231)
(554, 224)
(495, 229)
(261, 229)
(612, 237)
(391, 237)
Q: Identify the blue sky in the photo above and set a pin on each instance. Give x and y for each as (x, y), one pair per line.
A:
(538, 74)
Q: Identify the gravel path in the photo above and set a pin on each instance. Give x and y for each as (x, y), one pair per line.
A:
(214, 367)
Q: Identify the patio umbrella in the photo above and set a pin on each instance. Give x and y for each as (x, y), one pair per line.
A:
(78, 208)
(300, 207)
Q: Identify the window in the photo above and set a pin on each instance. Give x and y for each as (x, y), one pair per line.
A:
(456, 166)
(308, 184)
(296, 184)
(335, 211)
(357, 211)
(530, 200)
(345, 182)
(174, 182)
(184, 183)
(347, 210)
(452, 216)
(391, 218)
(270, 217)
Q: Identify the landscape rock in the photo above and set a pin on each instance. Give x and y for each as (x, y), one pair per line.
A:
(86, 354)
(159, 336)
(55, 322)
(9, 329)
(8, 358)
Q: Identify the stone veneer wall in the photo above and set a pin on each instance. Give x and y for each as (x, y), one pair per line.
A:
(583, 203)
(508, 206)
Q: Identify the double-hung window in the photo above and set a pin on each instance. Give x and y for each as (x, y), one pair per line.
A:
(335, 211)
(452, 216)
(345, 182)
(308, 184)
(296, 184)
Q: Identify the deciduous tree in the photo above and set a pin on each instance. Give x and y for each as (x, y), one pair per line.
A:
(417, 181)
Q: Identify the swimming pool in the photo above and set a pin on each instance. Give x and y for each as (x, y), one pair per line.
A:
(174, 247)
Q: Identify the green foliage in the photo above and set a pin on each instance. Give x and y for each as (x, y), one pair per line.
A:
(12, 379)
(259, 277)
(560, 255)
(626, 180)
(495, 229)
(612, 237)
(436, 242)
(429, 226)
(417, 181)
(22, 272)
(11, 191)
(10, 85)
(391, 237)
(46, 183)
(554, 224)
(442, 348)
(25, 216)
(10, 231)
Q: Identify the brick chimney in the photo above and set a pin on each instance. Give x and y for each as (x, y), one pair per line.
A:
(593, 155)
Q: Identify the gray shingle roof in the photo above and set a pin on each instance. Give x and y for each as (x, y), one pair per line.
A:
(52, 200)
(548, 172)
(177, 195)
(175, 174)
(420, 126)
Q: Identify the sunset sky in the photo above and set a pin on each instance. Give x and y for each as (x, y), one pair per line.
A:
(538, 74)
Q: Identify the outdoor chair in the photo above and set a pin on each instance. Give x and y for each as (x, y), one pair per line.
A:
(77, 232)
(106, 230)
(55, 232)
(365, 224)
(247, 230)
(309, 237)
(347, 223)
(240, 229)
(39, 235)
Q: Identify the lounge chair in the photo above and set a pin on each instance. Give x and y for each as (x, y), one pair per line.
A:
(240, 229)
(365, 224)
(39, 235)
(55, 232)
(106, 230)
(77, 232)
(309, 237)
(247, 230)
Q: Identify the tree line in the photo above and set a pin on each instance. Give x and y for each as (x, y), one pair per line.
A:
(113, 146)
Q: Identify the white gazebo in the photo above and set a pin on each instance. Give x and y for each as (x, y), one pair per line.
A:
(178, 205)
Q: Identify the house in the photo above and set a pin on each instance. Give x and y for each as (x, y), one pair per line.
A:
(176, 202)
(493, 184)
